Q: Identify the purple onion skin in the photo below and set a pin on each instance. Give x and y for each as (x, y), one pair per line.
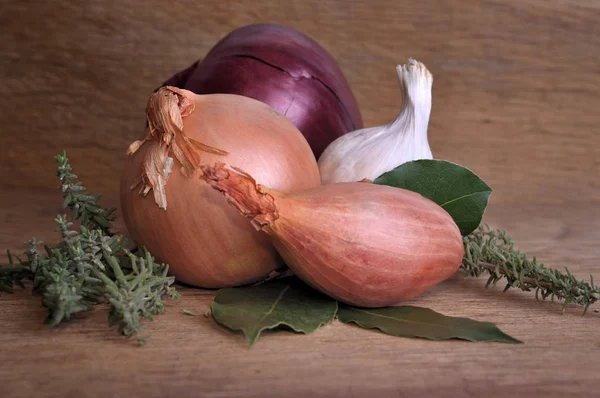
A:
(284, 69)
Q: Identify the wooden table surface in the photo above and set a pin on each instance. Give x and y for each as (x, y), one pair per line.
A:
(516, 99)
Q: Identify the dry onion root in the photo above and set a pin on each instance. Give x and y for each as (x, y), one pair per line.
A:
(202, 239)
(364, 244)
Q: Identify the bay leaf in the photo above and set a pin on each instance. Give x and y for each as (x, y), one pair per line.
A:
(286, 301)
(455, 188)
(409, 321)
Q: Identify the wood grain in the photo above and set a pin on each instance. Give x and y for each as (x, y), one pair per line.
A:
(516, 98)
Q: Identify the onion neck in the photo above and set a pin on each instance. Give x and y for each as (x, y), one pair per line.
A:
(250, 199)
(165, 112)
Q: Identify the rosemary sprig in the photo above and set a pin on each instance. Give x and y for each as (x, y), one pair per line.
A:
(492, 252)
(87, 266)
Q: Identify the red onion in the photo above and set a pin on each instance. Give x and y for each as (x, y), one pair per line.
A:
(284, 69)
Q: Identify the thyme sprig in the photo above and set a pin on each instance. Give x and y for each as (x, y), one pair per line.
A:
(492, 252)
(138, 294)
(13, 274)
(90, 266)
(82, 205)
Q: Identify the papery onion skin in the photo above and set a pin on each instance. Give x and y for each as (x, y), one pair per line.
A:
(205, 242)
(284, 69)
(364, 244)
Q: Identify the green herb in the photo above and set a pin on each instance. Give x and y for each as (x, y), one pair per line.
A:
(13, 274)
(90, 266)
(465, 196)
(455, 188)
(137, 294)
(289, 302)
(83, 206)
(492, 252)
(188, 312)
(408, 321)
(284, 302)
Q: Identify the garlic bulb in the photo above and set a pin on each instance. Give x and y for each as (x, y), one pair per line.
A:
(370, 152)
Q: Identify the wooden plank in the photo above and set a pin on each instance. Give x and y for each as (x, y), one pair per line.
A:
(515, 99)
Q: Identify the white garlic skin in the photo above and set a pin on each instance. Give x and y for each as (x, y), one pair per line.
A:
(370, 152)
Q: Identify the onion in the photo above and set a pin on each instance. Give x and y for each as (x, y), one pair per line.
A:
(284, 69)
(364, 244)
(185, 223)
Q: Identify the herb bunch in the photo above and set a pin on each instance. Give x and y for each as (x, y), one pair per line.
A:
(493, 252)
(90, 265)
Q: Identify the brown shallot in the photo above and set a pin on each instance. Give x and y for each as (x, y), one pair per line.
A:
(364, 244)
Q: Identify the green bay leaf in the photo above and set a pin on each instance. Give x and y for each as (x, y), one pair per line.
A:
(285, 302)
(455, 188)
(409, 321)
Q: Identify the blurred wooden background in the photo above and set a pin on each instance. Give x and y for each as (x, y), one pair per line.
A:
(516, 98)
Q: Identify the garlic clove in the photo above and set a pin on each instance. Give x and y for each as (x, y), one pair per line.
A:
(370, 152)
